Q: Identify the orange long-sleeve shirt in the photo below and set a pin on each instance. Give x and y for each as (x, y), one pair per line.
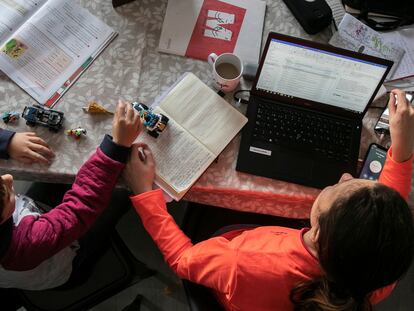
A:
(255, 270)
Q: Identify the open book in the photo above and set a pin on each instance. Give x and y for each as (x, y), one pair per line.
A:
(45, 45)
(200, 127)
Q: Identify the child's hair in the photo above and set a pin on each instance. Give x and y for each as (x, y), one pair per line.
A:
(2, 196)
(366, 241)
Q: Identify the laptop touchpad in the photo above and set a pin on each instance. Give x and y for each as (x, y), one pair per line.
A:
(293, 164)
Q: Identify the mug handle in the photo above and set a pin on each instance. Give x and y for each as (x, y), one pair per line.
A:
(212, 58)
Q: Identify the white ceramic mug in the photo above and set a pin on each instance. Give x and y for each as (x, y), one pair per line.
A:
(227, 70)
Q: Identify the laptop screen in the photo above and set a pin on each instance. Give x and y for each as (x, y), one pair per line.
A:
(295, 70)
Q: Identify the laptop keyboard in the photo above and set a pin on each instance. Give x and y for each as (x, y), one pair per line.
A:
(303, 130)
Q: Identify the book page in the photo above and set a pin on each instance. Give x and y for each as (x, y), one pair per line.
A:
(13, 13)
(180, 159)
(203, 113)
(51, 46)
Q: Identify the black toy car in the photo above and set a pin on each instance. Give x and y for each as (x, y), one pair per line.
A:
(49, 118)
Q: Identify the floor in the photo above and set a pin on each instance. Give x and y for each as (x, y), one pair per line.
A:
(165, 292)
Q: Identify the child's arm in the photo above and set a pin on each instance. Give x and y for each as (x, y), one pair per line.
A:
(35, 239)
(24, 147)
(5, 137)
(398, 166)
(211, 263)
(397, 175)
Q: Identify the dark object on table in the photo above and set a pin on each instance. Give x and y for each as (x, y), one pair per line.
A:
(154, 122)
(391, 13)
(249, 71)
(116, 3)
(103, 282)
(49, 118)
(313, 16)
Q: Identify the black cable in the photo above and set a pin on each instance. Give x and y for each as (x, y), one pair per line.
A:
(239, 99)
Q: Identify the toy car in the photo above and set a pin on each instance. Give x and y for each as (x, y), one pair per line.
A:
(49, 118)
(154, 122)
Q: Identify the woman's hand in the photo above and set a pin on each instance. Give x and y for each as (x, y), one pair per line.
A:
(140, 170)
(401, 126)
(126, 124)
(28, 148)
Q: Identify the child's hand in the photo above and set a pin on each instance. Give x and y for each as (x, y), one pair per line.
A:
(401, 126)
(126, 124)
(140, 170)
(28, 148)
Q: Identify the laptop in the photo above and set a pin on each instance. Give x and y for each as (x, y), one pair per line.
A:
(305, 111)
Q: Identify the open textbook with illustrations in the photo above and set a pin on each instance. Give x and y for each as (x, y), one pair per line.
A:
(201, 125)
(45, 45)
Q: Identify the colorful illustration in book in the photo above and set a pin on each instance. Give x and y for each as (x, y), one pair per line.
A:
(14, 48)
(76, 133)
(52, 119)
(216, 30)
(154, 122)
(10, 117)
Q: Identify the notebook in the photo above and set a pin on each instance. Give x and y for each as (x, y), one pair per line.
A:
(201, 124)
(305, 111)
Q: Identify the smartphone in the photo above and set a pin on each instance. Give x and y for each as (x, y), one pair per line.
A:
(382, 125)
(374, 162)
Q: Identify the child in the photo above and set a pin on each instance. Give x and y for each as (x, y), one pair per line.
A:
(37, 250)
(24, 147)
(361, 239)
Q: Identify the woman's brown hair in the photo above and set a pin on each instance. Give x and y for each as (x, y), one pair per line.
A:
(366, 241)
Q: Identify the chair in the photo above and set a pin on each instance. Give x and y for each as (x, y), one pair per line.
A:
(200, 298)
(114, 271)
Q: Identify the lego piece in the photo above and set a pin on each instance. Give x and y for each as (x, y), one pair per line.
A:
(154, 122)
(52, 119)
(94, 108)
(77, 132)
(10, 117)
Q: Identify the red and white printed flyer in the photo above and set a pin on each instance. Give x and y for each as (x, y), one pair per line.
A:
(197, 28)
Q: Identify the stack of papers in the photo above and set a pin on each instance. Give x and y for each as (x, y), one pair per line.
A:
(356, 36)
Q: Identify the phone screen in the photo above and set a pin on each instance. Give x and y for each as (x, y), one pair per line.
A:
(374, 162)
